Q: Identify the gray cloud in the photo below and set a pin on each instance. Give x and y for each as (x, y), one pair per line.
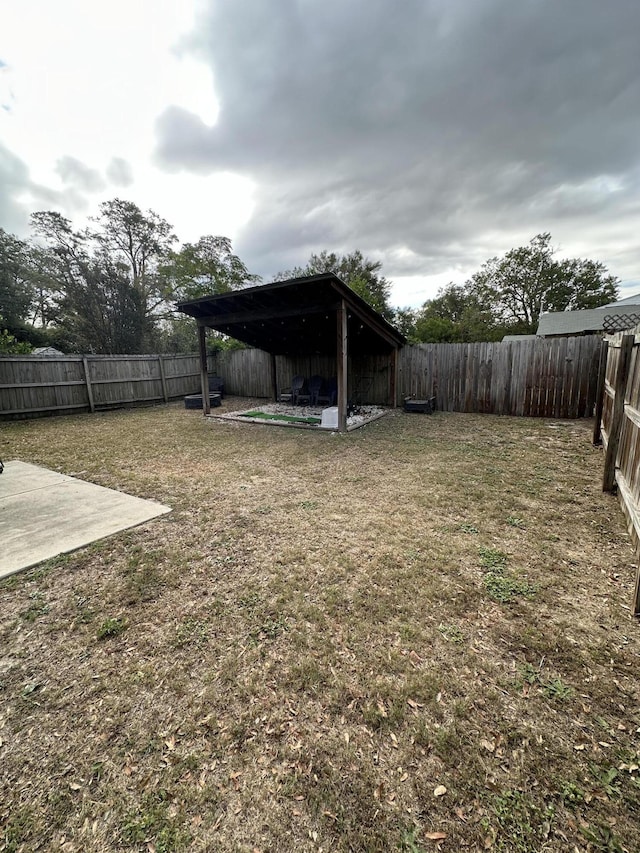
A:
(119, 172)
(20, 195)
(7, 98)
(429, 134)
(14, 180)
(77, 175)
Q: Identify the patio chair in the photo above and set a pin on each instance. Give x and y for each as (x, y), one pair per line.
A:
(290, 395)
(294, 394)
(298, 396)
(314, 386)
(216, 385)
(330, 393)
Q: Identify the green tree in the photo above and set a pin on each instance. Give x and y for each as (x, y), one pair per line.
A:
(142, 242)
(16, 294)
(206, 267)
(104, 312)
(22, 292)
(113, 287)
(9, 345)
(404, 319)
(456, 315)
(528, 281)
(112, 297)
(360, 273)
(583, 284)
(46, 292)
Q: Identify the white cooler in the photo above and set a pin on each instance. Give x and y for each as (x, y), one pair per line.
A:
(330, 418)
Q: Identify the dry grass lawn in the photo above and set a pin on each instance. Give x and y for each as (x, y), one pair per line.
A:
(414, 637)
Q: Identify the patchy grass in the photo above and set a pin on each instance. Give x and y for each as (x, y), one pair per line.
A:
(326, 631)
(111, 628)
(503, 588)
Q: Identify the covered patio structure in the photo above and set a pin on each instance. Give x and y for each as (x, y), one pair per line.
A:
(313, 315)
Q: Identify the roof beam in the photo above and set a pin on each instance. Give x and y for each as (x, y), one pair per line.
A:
(371, 317)
(244, 317)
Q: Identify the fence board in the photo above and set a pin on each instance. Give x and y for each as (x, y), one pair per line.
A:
(533, 378)
(31, 386)
(620, 432)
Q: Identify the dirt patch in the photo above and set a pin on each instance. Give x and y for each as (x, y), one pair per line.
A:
(411, 637)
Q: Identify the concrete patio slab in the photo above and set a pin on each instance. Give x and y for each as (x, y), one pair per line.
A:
(44, 514)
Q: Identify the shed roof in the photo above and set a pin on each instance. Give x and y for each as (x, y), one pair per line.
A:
(295, 317)
(629, 300)
(581, 322)
(49, 351)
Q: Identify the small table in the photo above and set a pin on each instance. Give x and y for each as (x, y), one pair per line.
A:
(426, 407)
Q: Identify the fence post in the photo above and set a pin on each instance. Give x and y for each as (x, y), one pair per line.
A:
(620, 386)
(635, 604)
(87, 379)
(204, 370)
(163, 380)
(602, 372)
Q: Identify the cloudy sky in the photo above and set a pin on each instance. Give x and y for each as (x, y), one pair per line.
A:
(430, 134)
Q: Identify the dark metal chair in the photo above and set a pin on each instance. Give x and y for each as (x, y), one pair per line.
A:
(290, 395)
(329, 394)
(216, 385)
(314, 386)
(297, 384)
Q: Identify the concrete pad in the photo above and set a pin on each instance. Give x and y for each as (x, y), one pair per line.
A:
(43, 514)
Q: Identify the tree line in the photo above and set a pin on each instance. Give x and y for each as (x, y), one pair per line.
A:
(112, 287)
(508, 294)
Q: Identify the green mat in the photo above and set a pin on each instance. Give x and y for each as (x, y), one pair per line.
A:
(294, 419)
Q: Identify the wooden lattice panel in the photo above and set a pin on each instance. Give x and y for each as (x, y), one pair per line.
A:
(620, 322)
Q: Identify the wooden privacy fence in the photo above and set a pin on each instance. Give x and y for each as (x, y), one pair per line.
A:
(32, 386)
(550, 378)
(619, 429)
(554, 378)
(542, 378)
(250, 373)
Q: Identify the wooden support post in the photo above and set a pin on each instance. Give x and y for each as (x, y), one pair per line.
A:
(341, 365)
(274, 378)
(393, 378)
(204, 370)
(163, 379)
(87, 379)
(620, 386)
(602, 372)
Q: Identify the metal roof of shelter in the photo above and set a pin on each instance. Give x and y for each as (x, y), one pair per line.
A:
(296, 317)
